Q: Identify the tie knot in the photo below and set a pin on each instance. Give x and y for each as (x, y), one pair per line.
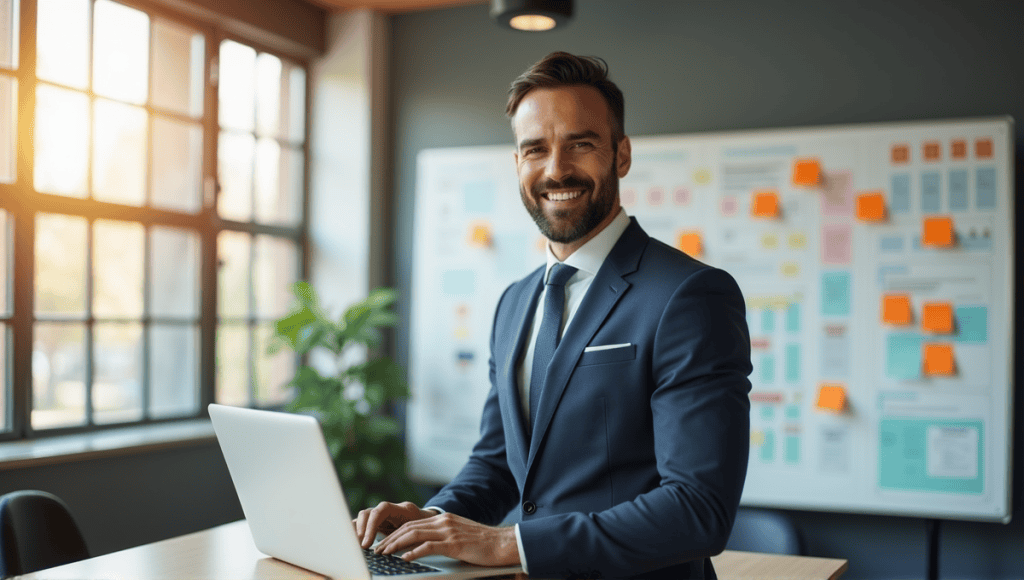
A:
(560, 274)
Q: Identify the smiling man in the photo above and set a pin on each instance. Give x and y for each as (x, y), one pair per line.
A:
(616, 432)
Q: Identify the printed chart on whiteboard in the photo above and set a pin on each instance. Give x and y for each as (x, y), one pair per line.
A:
(876, 263)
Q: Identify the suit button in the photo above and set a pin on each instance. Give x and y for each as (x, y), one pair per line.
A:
(529, 507)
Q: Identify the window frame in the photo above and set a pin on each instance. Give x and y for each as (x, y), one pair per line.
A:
(26, 203)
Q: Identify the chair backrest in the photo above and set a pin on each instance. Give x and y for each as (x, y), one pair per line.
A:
(37, 532)
(765, 531)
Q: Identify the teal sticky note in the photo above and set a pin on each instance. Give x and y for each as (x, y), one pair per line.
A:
(767, 320)
(793, 317)
(479, 196)
(958, 190)
(985, 188)
(768, 368)
(931, 192)
(900, 193)
(793, 411)
(835, 293)
(946, 456)
(903, 355)
(767, 412)
(792, 449)
(458, 282)
(972, 324)
(768, 447)
(793, 363)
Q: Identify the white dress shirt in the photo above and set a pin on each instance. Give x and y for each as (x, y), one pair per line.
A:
(587, 260)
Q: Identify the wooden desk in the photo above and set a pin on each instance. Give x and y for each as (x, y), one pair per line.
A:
(227, 552)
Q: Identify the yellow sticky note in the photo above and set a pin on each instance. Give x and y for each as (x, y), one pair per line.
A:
(896, 309)
(765, 204)
(806, 172)
(937, 317)
(939, 359)
(691, 243)
(938, 231)
(871, 206)
(480, 234)
(831, 397)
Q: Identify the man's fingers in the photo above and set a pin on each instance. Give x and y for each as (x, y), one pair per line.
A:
(374, 518)
(425, 549)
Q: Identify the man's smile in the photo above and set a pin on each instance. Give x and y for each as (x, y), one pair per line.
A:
(562, 195)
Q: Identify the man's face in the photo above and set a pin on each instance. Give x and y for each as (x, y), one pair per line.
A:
(567, 163)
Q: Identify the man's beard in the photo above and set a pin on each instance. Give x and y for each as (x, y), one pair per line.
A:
(596, 210)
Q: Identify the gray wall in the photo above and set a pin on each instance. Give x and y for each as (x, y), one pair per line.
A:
(703, 65)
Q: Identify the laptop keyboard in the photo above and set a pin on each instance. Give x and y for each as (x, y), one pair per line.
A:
(392, 565)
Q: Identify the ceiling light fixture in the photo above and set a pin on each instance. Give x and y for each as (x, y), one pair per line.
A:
(531, 15)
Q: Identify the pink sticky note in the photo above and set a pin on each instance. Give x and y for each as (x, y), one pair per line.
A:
(837, 193)
(729, 205)
(836, 243)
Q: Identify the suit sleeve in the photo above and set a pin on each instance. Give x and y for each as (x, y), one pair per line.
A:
(484, 489)
(701, 419)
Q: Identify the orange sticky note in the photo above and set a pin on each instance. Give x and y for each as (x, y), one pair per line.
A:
(691, 243)
(871, 206)
(480, 235)
(937, 317)
(958, 149)
(938, 359)
(932, 151)
(938, 231)
(983, 148)
(831, 397)
(806, 172)
(900, 153)
(896, 309)
(765, 204)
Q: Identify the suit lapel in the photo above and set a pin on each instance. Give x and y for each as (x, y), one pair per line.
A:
(607, 289)
(508, 389)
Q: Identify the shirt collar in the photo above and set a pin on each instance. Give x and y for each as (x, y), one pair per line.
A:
(591, 255)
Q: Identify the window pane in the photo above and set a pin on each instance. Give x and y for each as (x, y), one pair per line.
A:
(178, 58)
(174, 273)
(292, 186)
(233, 287)
(273, 372)
(268, 94)
(9, 34)
(62, 42)
(234, 157)
(117, 382)
(237, 86)
(176, 178)
(5, 384)
(267, 180)
(173, 370)
(8, 128)
(58, 375)
(232, 364)
(6, 262)
(119, 153)
(62, 141)
(296, 132)
(120, 58)
(60, 264)
(117, 269)
(277, 268)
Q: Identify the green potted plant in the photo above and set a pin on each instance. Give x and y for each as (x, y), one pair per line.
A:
(353, 401)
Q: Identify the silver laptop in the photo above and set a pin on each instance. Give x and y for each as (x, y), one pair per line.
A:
(294, 503)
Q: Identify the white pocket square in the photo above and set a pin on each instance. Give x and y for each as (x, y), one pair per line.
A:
(607, 347)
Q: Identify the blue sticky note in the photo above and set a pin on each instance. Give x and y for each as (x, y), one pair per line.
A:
(767, 320)
(793, 412)
(835, 293)
(985, 187)
(479, 196)
(903, 355)
(900, 195)
(793, 363)
(931, 192)
(958, 190)
(767, 412)
(768, 369)
(792, 449)
(972, 324)
(892, 243)
(793, 317)
(768, 447)
(458, 282)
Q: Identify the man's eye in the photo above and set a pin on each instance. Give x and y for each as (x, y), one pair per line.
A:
(582, 145)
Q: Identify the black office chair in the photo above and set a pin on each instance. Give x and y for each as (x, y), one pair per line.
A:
(765, 531)
(37, 532)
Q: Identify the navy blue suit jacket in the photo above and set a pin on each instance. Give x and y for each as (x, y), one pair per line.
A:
(636, 463)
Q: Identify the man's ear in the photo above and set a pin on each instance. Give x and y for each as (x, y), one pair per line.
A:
(624, 157)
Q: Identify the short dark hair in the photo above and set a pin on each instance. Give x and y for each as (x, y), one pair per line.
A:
(561, 69)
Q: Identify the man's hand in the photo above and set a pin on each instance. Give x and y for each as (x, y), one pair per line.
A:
(456, 537)
(386, 518)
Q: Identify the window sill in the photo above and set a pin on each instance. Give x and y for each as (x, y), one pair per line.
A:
(110, 443)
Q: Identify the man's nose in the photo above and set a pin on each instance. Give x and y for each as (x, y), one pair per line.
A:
(558, 166)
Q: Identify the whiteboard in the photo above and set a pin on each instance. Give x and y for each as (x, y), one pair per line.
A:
(863, 399)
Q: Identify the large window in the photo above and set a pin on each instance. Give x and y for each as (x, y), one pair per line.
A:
(151, 223)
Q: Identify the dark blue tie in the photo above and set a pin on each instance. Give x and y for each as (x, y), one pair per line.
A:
(547, 338)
